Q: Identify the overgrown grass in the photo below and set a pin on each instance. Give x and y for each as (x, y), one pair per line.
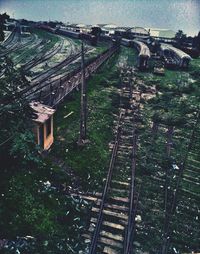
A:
(176, 102)
(90, 161)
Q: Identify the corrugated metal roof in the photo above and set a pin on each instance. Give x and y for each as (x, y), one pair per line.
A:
(164, 33)
(139, 30)
(42, 112)
(110, 26)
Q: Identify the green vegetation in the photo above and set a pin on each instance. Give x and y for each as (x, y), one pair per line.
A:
(90, 162)
(35, 185)
(25, 53)
(3, 17)
(34, 199)
(175, 104)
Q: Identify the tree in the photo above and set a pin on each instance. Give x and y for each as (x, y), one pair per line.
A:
(31, 199)
(180, 37)
(155, 46)
(3, 17)
(16, 139)
(96, 31)
(196, 41)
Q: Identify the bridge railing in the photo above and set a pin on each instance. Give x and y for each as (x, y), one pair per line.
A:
(53, 93)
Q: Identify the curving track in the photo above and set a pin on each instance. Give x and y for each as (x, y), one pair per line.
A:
(12, 42)
(42, 56)
(10, 39)
(53, 93)
(33, 43)
(71, 56)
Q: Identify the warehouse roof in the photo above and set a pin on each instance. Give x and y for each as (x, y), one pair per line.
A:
(139, 30)
(164, 33)
(110, 26)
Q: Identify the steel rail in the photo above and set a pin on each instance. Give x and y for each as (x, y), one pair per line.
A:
(131, 217)
(129, 230)
(132, 208)
(44, 57)
(57, 67)
(72, 80)
(106, 188)
(178, 185)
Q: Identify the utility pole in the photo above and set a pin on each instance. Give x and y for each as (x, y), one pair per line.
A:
(83, 114)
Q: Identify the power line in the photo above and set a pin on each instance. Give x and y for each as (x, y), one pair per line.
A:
(83, 115)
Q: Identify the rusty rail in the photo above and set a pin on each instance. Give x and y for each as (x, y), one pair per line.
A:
(106, 188)
(129, 230)
(54, 93)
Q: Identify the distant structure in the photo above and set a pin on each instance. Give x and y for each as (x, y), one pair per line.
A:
(138, 32)
(126, 32)
(164, 35)
(25, 30)
(43, 125)
(9, 26)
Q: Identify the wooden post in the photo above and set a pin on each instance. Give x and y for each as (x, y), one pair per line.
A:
(83, 115)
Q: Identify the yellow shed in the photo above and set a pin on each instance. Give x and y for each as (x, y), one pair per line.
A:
(43, 124)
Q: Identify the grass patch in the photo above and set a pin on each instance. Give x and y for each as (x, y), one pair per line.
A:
(89, 162)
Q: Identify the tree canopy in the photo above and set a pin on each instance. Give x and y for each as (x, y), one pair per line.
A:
(3, 18)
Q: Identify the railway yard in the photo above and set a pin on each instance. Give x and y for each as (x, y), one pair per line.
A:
(166, 166)
(138, 174)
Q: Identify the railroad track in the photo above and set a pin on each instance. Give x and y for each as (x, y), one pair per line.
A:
(16, 47)
(11, 43)
(53, 93)
(46, 75)
(9, 40)
(43, 56)
(174, 202)
(112, 223)
(167, 200)
(19, 46)
(33, 43)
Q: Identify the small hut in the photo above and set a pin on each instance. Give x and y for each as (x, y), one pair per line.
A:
(43, 124)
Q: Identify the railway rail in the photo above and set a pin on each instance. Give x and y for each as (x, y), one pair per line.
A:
(42, 56)
(156, 204)
(12, 43)
(174, 201)
(114, 228)
(47, 74)
(10, 39)
(163, 200)
(35, 44)
(53, 93)
(20, 45)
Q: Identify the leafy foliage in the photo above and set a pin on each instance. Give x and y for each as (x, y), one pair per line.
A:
(3, 17)
(15, 115)
(32, 201)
